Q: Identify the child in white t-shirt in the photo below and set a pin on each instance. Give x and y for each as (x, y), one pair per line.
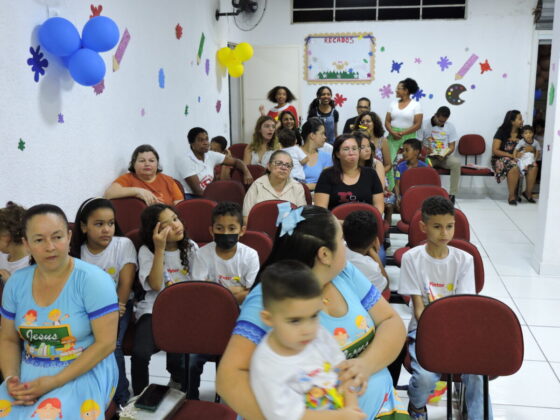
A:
(13, 254)
(362, 243)
(528, 151)
(98, 240)
(293, 369)
(430, 272)
(288, 139)
(165, 258)
(226, 261)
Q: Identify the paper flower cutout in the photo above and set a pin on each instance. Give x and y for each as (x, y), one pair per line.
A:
(207, 66)
(21, 145)
(37, 62)
(419, 95)
(142, 112)
(161, 78)
(484, 67)
(218, 106)
(178, 31)
(386, 91)
(418, 60)
(61, 118)
(95, 11)
(288, 218)
(396, 66)
(186, 110)
(444, 63)
(339, 99)
(99, 88)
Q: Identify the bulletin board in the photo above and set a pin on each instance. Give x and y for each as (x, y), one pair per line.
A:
(340, 58)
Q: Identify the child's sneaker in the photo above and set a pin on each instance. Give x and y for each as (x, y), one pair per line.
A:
(417, 415)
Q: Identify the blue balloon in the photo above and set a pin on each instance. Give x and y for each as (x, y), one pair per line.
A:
(59, 36)
(100, 34)
(86, 67)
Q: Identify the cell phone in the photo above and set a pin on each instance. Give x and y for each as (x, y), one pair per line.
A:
(152, 397)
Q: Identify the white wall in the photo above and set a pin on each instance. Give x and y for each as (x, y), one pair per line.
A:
(499, 30)
(67, 163)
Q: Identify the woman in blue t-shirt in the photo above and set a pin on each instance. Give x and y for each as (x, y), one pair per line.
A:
(313, 133)
(368, 330)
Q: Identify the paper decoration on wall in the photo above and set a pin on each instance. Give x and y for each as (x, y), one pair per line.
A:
(218, 106)
(484, 67)
(504, 75)
(473, 87)
(186, 110)
(161, 78)
(386, 91)
(551, 93)
(142, 112)
(61, 118)
(466, 67)
(120, 50)
(339, 58)
(21, 145)
(339, 99)
(207, 67)
(199, 99)
(200, 48)
(418, 60)
(382, 49)
(99, 88)
(396, 66)
(444, 63)
(178, 31)
(452, 94)
(418, 95)
(431, 96)
(95, 11)
(37, 62)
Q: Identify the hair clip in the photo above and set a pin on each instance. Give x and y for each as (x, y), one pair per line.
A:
(288, 218)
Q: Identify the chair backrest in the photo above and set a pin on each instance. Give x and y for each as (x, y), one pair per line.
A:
(418, 176)
(205, 311)
(256, 172)
(478, 263)
(343, 210)
(412, 200)
(196, 215)
(134, 236)
(462, 228)
(127, 212)
(471, 144)
(263, 215)
(307, 192)
(470, 334)
(181, 188)
(260, 242)
(237, 150)
(219, 191)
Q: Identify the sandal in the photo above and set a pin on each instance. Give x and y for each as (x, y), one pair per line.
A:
(512, 202)
(530, 200)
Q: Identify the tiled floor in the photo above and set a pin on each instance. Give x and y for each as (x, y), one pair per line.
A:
(505, 236)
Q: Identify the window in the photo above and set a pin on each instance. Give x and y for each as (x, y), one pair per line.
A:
(304, 11)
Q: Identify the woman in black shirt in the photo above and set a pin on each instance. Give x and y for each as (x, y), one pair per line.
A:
(346, 181)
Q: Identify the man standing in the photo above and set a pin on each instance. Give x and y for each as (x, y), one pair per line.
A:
(364, 105)
(440, 138)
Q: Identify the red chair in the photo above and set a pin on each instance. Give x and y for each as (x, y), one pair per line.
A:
(416, 236)
(260, 242)
(343, 210)
(467, 334)
(219, 191)
(127, 212)
(263, 215)
(418, 176)
(181, 188)
(478, 263)
(473, 145)
(412, 200)
(196, 215)
(202, 332)
(307, 192)
(237, 150)
(256, 172)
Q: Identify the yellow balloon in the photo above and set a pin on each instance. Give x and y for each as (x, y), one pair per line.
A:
(243, 51)
(232, 60)
(224, 55)
(236, 70)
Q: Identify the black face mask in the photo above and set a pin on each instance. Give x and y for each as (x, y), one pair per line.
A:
(226, 240)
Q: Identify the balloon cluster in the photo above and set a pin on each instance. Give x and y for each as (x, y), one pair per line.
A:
(233, 59)
(81, 55)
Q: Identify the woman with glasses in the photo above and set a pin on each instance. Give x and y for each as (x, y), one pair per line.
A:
(346, 181)
(276, 184)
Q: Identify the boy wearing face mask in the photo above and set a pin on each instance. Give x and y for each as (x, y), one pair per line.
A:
(225, 261)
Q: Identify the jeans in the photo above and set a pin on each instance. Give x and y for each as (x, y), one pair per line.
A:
(122, 393)
(422, 384)
(142, 351)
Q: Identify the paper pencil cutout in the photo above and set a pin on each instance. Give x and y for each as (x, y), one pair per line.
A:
(466, 67)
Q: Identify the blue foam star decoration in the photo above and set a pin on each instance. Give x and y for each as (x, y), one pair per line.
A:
(288, 218)
(37, 62)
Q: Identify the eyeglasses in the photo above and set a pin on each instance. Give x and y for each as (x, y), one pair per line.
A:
(348, 149)
(280, 164)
